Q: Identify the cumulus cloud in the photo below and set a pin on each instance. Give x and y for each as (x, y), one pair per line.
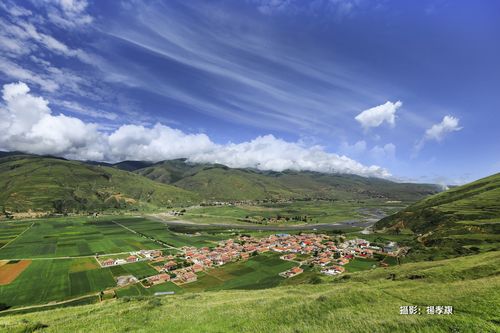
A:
(377, 115)
(28, 124)
(438, 131)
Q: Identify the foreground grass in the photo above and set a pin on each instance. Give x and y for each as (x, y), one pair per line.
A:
(364, 302)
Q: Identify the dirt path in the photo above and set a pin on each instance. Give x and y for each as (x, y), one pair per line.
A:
(150, 237)
(48, 304)
(75, 257)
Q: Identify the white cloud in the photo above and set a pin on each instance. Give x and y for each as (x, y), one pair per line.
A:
(385, 152)
(16, 72)
(83, 110)
(377, 115)
(354, 150)
(69, 13)
(438, 131)
(27, 124)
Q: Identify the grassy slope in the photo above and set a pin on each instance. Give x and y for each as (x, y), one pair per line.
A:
(467, 215)
(50, 184)
(462, 220)
(221, 182)
(367, 301)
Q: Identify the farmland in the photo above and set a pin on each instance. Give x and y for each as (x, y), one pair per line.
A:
(257, 273)
(44, 281)
(52, 259)
(70, 237)
(10, 230)
(160, 232)
(291, 213)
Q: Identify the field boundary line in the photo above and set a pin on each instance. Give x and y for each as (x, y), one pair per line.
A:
(144, 235)
(29, 227)
(48, 304)
(74, 257)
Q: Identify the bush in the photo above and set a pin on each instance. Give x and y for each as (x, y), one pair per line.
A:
(315, 280)
(34, 327)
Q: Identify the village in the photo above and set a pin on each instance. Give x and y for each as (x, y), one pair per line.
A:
(329, 254)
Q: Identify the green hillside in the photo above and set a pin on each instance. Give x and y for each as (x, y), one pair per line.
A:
(218, 182)
(359, 302)
(466, 216)
(58, 185)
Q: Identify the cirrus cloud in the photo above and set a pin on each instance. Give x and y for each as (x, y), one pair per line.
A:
(28, 124)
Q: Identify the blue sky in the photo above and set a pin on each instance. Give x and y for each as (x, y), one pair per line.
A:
(399, 89)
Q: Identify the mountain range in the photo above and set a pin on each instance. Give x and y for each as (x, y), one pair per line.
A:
(51, 184)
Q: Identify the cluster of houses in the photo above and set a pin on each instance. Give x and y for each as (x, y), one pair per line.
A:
(320, 250)
(131, 258)
(294, 271)
(327, 253)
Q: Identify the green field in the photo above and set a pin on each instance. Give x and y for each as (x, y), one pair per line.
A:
(138, 269)
(69, 237)
(161, 232)
(10, 230)
(256, 273)
(365, 302)
(44, 281)
(357, 264)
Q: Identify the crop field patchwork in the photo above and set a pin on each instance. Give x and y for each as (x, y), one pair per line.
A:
(10, 230)
(71, 237)
(161, 232)
(54, 280)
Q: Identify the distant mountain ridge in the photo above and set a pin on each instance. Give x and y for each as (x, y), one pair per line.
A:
(44, 183)
(219, 182)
